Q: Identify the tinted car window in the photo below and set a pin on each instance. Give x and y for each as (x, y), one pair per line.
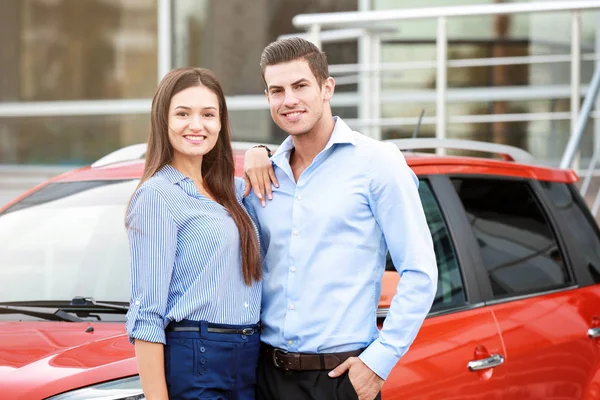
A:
(450, 289)
(582, 227)
(67, 240)
(518, 247)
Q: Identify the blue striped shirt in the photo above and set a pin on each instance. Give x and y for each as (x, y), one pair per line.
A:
(325, 239)
(185, 259)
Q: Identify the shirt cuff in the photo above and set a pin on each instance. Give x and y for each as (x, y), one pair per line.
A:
(379, 359)
(148, 332)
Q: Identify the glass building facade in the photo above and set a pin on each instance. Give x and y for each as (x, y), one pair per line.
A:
(67, 54)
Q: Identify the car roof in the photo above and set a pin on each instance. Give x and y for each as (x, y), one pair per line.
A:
(421, 163)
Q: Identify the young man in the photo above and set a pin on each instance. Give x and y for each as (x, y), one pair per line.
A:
(341, 201)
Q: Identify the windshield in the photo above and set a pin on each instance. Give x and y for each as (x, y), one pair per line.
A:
(67, 240)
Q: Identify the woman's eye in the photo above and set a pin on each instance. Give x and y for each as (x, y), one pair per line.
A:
(182, 114)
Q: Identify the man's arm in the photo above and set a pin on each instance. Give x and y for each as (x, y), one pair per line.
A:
(397, 207)
(259, 174)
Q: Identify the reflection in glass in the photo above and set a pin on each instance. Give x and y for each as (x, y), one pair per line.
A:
(450, 288)
(68, 140)
(80, 50)
(68, 240)
(517, 245)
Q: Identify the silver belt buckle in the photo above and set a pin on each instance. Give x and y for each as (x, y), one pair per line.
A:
(248, 331)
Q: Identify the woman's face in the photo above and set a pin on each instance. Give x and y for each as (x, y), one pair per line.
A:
(194, 122)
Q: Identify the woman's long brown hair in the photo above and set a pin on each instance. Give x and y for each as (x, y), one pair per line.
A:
(218, 167)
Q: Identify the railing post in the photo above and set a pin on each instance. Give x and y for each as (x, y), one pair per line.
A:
(441, 80)
(164, 37)
(314, 33)
(597, 120)
(365, 82)
(575, 74)
(586, 109)
(365, 75)
(375, 85)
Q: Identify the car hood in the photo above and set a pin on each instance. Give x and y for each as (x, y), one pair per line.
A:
(41, 359)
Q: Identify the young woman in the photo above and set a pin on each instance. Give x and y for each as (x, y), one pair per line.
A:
(195, 262)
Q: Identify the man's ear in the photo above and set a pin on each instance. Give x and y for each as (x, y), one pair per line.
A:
(328, 88)
(267, 96)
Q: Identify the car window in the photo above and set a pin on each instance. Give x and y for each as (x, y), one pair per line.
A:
(582, 227)
(518, 247)
(67, 240)
(450, 289)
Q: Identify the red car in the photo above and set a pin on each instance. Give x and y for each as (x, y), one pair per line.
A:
(516, 316)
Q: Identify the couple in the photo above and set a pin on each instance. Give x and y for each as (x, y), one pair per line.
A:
(207, 264)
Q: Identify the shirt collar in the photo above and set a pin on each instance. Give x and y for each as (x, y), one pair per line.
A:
(341, 134)
(171, 173)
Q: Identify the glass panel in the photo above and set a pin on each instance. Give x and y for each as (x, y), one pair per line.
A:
(228, 36)
(529, 34)
(74, 49)
(68, 140)
(517, 244)
(450, 288)
(67, 240)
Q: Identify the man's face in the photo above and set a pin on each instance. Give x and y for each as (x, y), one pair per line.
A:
(296, 100)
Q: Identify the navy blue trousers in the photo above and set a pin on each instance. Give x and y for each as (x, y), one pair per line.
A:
(207, 365)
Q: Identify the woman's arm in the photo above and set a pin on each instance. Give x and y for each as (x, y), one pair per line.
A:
(151, 365)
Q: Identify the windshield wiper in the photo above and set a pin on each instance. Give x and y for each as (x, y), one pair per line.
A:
(59, 315)
(77, 304)
(83, 307)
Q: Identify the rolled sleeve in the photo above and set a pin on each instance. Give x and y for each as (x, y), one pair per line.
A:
(396, 205)
(152, 234)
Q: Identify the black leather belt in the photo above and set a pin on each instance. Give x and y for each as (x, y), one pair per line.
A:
(243, 331)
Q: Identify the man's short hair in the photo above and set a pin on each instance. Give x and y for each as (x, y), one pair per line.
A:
(292, 49)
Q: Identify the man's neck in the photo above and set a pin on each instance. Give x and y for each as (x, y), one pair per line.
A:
(306, 147)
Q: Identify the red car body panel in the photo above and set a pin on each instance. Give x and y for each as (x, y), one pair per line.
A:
(435, 367)
(543, 336)
(41, 359)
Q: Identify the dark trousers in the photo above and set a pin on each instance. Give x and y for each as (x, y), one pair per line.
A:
(207, 365)
(274, 383)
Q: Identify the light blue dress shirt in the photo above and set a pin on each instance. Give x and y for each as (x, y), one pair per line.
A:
(185, 259)
(325, 240)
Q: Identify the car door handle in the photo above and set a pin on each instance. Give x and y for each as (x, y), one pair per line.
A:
(594, 333)
(491, 362)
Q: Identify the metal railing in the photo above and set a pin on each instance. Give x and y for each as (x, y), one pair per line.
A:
(369, 88)
(315, 23)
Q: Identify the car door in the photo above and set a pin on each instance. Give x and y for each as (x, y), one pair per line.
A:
(460, 330)
(581, 236)
(542, 314)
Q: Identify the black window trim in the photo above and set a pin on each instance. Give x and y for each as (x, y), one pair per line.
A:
(581, 278)
(546, 207)
(455, 219)
(451, 209)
